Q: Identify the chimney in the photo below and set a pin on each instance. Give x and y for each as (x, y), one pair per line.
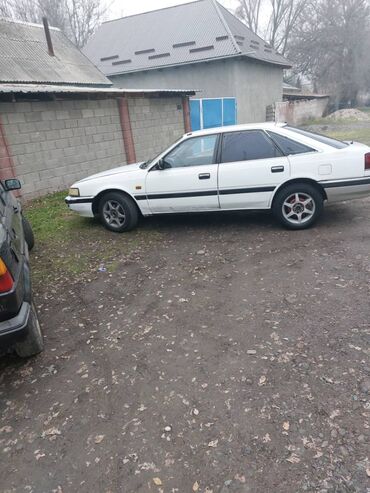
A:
(48, 37)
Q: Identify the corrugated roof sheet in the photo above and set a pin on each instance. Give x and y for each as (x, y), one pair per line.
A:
(24, 57)
(186, 33)
(249, 43)
(7, 88)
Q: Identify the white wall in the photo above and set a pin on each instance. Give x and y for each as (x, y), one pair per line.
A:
(255, 85)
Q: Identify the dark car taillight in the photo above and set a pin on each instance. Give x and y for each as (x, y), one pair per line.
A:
(367, 160)
(6, 280)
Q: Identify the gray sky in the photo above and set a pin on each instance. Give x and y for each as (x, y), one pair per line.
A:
(122, 8)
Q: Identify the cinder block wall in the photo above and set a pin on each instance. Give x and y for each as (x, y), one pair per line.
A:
(54, 143)
(156, 123)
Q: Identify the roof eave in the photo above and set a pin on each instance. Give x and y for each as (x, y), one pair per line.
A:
(203, 60)
(113, 91)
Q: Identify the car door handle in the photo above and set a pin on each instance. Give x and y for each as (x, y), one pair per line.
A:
(204, 176)
(277, 169)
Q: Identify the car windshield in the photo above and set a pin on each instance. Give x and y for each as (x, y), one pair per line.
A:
(150, 161)
(337, 144)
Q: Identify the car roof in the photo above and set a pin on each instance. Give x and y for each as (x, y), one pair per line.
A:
(236, 128)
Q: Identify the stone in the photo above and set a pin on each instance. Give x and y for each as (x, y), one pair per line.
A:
(246, 451)
(364, 386)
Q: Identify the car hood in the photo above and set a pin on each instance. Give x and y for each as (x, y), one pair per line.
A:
(127, 168)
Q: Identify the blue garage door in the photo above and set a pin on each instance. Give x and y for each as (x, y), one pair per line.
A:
(209, 113)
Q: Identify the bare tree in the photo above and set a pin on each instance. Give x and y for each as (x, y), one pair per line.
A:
(249, 11)
(283, 16)
(4, 9)
(332, 47)
(78, 19)
(286, 16)
(83, 18)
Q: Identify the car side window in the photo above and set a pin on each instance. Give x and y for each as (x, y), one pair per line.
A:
(289, 146)
(248, 145)
(195, 151)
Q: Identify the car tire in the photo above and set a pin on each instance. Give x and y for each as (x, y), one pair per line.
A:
(298, 206)
(28, 233)
(118, 212)
(33, 343)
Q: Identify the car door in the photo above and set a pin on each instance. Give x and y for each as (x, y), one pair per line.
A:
(189, 181)
(250, 169)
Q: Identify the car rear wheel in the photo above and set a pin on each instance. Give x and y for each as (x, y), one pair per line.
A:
(28, 233)
(118, 212)
(33, 343)
(298, 206)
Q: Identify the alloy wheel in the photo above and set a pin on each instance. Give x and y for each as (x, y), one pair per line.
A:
(298, 208)
(114, 214)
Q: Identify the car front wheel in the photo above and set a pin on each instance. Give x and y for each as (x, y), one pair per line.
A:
(298, 206)
(118, 212)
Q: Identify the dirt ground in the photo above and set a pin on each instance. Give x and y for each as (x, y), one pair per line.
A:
(231, 356)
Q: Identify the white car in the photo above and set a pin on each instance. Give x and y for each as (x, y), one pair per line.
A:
(260, 166)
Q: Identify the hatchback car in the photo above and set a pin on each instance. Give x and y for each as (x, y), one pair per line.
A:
(19, 325)
(261, 166)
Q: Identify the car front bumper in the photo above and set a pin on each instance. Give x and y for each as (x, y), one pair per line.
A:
(81, 205)
(15, 328)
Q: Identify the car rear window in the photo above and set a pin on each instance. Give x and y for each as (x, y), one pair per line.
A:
(337, 144)
(289, 146)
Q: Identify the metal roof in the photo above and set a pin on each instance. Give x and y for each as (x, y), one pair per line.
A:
(187, 33)
(49, 88)
(291, 88)
(24, 57)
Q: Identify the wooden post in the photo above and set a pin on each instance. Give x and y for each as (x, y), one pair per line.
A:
(186, 112)
(128, 140)
(7, 168)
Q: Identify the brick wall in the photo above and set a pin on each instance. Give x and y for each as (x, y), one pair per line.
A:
(54, 143)
(156, 123)
(298, 111)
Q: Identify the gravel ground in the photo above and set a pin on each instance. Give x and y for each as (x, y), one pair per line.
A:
(233, 357)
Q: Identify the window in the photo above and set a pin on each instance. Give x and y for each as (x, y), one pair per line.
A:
(196, 151)
(247, 145)
(337, 144)
(289, 146)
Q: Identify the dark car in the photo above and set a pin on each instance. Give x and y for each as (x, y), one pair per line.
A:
(19, 326)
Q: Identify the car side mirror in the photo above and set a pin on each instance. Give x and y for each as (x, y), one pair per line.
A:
(12, 184)
(162, 164)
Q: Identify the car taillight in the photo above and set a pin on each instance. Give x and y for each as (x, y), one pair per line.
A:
(367, 160)
(6, 280)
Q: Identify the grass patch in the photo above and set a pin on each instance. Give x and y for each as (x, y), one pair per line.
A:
(358, 135)
(341, 129)
(365, 109)
(50, 217)
(70, 247)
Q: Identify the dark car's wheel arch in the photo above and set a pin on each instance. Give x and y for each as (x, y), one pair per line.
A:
(307, 181)
(97, 199)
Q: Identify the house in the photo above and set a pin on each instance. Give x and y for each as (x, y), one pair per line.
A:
(61, 119)
(199, 45)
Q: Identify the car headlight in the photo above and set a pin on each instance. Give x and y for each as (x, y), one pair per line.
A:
(74, 192)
